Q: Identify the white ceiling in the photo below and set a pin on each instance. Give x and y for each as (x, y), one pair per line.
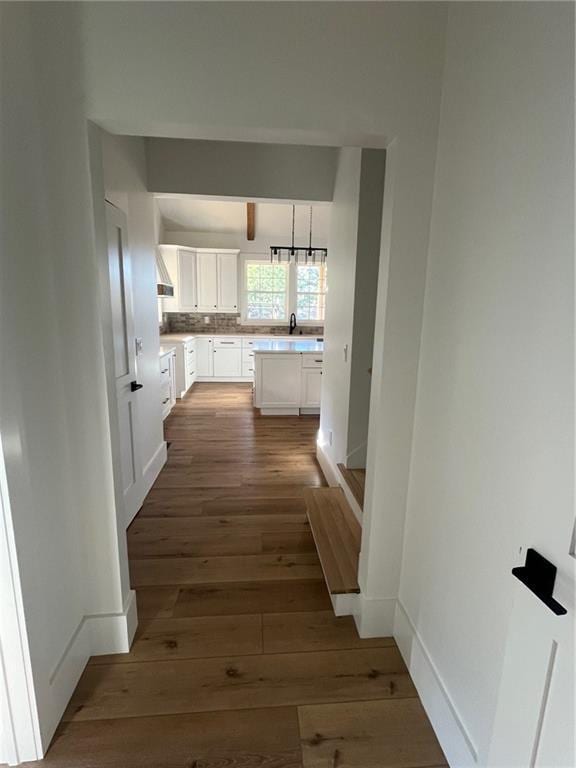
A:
(273, 220)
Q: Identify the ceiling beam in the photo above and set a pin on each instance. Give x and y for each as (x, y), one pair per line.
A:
(250, 221)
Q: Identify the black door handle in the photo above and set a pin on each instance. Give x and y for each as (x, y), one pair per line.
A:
(134, 386)
(539, 576)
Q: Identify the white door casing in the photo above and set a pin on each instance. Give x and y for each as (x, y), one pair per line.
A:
(125, 370)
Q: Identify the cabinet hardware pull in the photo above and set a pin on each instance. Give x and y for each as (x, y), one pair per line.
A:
(317, 361)
(134, 386)
(164, 371)
(165, 401)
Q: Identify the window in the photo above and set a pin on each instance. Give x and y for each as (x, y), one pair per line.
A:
(310, 292)
(266, 291)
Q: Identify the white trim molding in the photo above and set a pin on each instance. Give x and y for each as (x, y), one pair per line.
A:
(374, 617)
(454, 738)
(334, 478)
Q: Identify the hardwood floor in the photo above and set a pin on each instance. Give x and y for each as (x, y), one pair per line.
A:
(238, 660)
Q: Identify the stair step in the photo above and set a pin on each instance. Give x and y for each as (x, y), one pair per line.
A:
(337, 535)
(355, 479)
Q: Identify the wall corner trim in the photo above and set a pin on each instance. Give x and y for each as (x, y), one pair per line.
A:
(446, 721)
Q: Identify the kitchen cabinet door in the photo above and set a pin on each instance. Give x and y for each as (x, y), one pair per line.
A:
(188, 301)
(227, 282)
(204, 356)
(227, 362)
(207, 281)
(278, 380)
(311, 387)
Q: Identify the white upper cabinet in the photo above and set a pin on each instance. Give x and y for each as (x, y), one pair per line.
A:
(227, 282)
(188, 300)
(207, 281)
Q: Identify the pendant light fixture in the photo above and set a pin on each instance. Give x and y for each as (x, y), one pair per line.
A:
(308, 253)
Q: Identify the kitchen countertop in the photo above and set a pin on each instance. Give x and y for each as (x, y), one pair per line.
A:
(168, 337)
(294, 346)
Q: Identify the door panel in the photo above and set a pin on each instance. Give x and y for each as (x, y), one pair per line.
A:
(227, 282)
(534, 723)
(187, 281)
(124, 359)
(311, 387)
(204, 357)
(207, 282)
(227, 362)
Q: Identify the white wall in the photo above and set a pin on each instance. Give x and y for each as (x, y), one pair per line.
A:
(338, 324)
(53, 407)
(494, 401)
(125, 186)
(359, 74)
(219, 224)
(365, 297)
(236, 169)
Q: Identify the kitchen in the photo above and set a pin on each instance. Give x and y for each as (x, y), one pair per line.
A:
(250, 314)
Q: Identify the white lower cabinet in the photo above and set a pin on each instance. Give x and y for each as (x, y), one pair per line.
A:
(204, 356)
(311, 388)
(184, 363)
(227, 362)
(287, 384)
(167, 381)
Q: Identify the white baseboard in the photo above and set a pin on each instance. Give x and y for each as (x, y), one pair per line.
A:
(344, 605)
(327, 466)
(374, 617)
(95, 635)
(448, 725)
(113, 632)
(335, 479)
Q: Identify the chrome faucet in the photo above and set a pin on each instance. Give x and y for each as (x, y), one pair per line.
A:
(292, 323)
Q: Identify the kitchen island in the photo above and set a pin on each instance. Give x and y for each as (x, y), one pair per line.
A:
(288, 376)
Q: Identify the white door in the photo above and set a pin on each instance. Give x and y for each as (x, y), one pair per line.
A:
(227, 282)
(187, 281)
(124, 358)
(227, 362)
(204, 356)
(207, 281)
(536, 720)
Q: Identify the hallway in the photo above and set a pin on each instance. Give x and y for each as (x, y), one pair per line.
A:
(238, 660)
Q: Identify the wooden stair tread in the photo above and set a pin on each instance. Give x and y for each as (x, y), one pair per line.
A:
(355, 479)
(337, 535)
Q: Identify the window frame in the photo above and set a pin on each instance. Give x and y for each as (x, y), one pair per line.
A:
(244, 319)
(308, 293)
(291, 294)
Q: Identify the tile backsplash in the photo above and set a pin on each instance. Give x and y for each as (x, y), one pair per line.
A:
(184, 322)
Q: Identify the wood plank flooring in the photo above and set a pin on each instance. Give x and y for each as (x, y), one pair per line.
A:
(238, 660)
